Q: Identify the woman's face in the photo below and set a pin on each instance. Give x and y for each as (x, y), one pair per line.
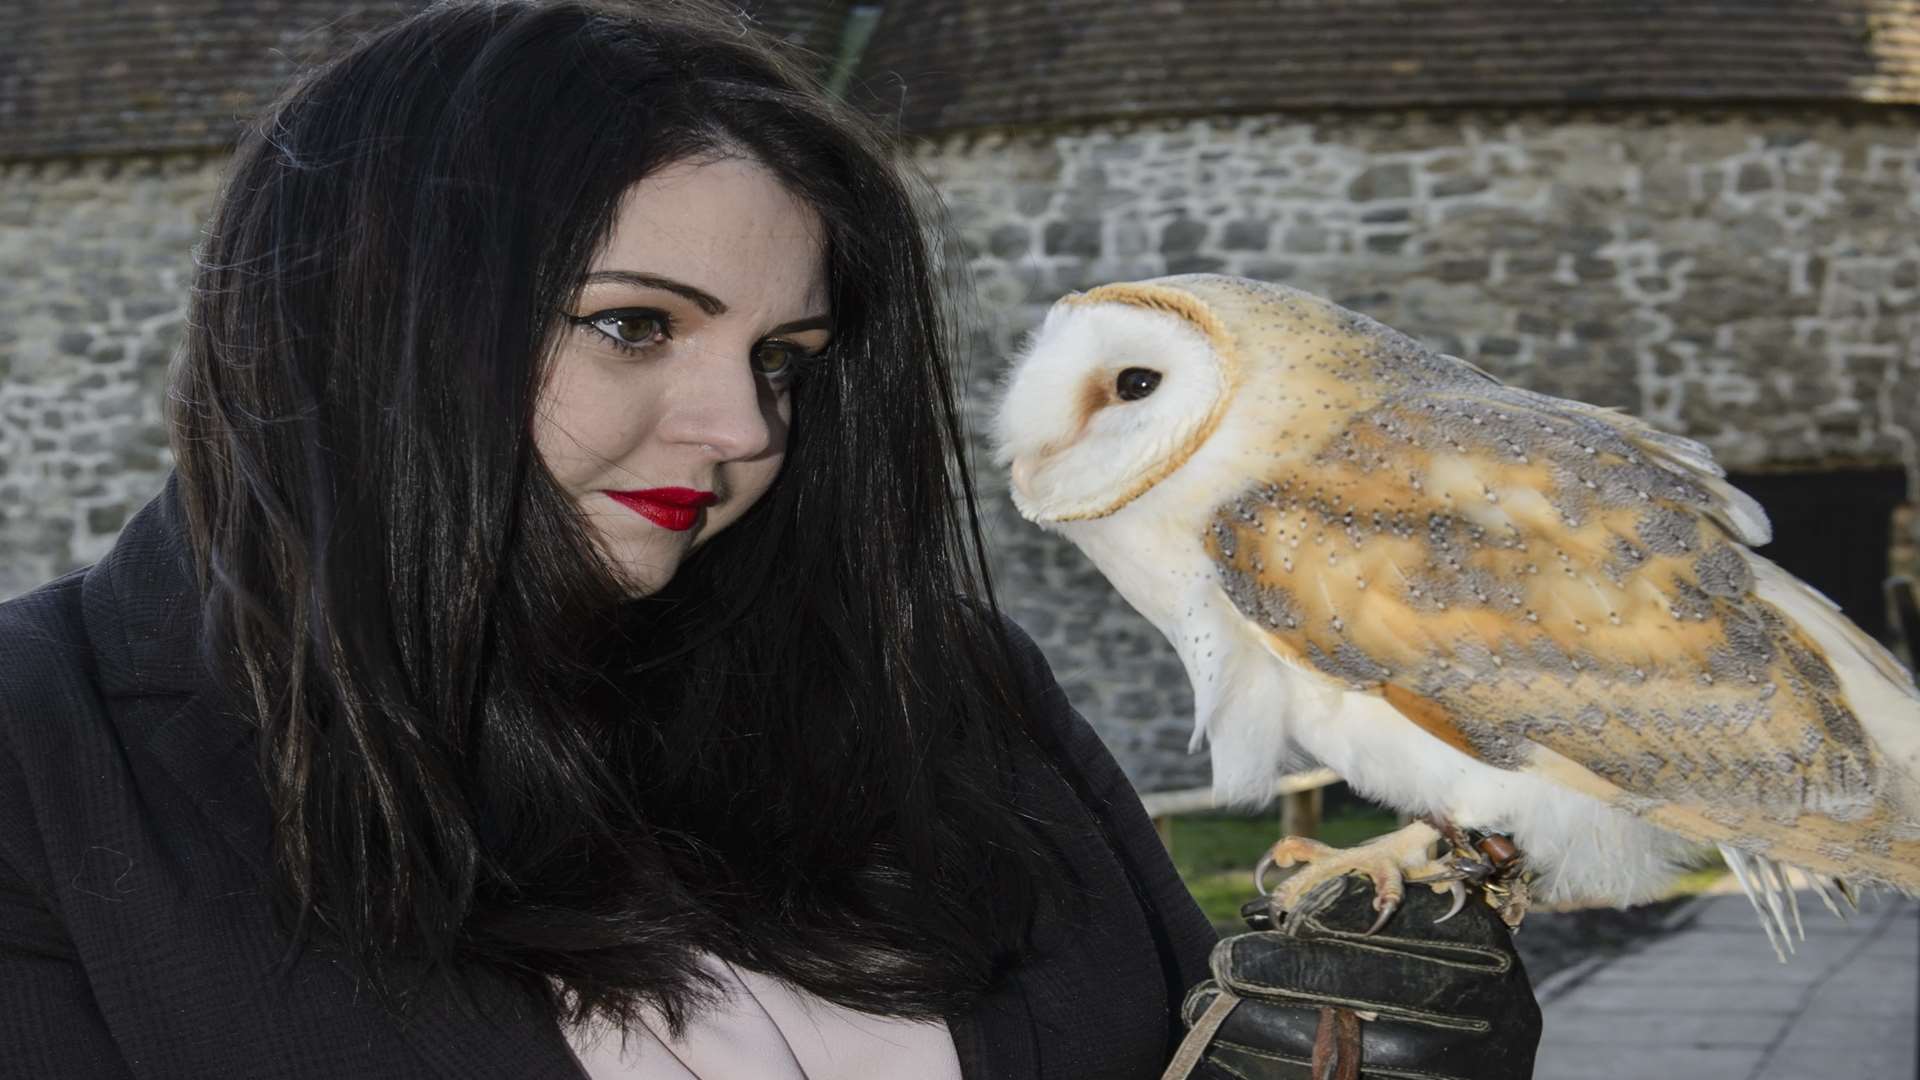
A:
(665, 414)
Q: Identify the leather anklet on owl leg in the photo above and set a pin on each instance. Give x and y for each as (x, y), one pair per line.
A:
(1489, 861)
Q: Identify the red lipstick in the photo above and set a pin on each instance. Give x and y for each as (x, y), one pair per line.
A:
(675, 508)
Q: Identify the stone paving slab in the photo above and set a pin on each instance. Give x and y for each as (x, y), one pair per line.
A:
(1711, 1001)
(1629, 1062)
(1671, 1028)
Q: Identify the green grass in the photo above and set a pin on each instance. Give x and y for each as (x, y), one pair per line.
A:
(1215, 854)
(1701, 878)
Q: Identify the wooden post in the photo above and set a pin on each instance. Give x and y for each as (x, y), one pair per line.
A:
(1300, 813)
(1163, 825)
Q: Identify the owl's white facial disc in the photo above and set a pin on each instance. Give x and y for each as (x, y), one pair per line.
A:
(1080, 440)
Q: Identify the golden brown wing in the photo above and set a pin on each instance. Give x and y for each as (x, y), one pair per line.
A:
(1555, 588)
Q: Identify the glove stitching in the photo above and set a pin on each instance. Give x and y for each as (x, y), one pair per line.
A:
(1371, 944)
(1500, 962)
(1397, 1012)
(1367, 945)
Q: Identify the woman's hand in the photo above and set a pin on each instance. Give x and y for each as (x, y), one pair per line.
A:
(1443, 999)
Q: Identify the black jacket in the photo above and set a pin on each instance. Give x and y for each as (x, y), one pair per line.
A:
(136, 939)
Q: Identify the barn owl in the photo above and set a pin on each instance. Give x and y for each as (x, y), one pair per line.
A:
(1481, 605)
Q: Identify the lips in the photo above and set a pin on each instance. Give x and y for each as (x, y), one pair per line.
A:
(675, 508)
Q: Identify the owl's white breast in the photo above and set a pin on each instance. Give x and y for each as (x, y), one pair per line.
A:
(1582, 847)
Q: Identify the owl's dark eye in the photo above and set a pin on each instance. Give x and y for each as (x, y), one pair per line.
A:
(1136, 383)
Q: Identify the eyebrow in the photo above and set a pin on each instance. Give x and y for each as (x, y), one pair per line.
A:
(801, 326)
(706, 301)
(702, 299)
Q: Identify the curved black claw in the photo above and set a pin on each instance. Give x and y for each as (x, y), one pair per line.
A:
(1386, 911)
(1462, 868)
(1260, 874)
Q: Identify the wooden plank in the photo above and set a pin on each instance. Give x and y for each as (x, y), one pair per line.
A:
(1161, 804)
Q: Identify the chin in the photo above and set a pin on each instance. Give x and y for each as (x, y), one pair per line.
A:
(641, 568)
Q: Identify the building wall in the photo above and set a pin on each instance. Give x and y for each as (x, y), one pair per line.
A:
(95, 265)
(1748, 278)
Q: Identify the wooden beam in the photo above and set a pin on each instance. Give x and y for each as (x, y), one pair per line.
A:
(1161, 804)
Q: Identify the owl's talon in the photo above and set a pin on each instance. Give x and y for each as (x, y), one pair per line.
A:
(1286, 852)
(1384, 861)
(1386, 907)
(1459, 892)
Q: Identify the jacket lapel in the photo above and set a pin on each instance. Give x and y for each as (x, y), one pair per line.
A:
(142, 611)
(141, 605)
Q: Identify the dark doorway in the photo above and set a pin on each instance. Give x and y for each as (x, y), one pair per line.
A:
(1833, 528)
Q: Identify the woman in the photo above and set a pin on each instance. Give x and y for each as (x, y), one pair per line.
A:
(563, 620)
(563, 604)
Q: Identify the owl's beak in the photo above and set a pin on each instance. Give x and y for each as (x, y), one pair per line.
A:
(1022, 474)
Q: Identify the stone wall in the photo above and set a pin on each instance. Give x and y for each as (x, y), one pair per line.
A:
(95, 264)
(1748, 278)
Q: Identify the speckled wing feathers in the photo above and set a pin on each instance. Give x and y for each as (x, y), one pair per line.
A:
(1557, 588)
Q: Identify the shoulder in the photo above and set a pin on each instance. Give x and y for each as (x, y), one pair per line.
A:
(46, 689)
(1050, 715)
(1031, 670)
(46, 656)
(1029, 663)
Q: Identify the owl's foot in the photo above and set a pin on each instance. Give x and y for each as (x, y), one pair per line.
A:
(1390, 862)
(1489, 861)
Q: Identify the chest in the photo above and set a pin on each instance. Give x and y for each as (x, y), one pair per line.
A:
(157, 874)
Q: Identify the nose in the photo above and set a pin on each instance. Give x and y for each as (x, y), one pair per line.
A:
(720, 403)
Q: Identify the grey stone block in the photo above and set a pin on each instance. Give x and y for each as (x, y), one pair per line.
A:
(1182, 236)
(1078, 237)
(1245, 235)
(1389, 181)
(1010, 241)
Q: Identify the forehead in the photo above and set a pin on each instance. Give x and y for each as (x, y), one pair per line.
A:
(727, 226)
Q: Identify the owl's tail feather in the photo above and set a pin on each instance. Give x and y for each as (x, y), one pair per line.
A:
(1770, 890)
(1765, 883)
(1827, 895)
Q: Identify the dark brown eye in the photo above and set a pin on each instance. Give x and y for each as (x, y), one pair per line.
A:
(637, 328)
(772, 359)
(1136, 383)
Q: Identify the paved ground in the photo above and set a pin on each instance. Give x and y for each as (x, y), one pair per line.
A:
(1710, 1002)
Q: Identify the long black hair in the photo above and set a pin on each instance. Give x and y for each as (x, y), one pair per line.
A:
(480, 750)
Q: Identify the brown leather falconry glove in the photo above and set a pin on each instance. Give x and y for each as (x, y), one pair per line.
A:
(1320, 999)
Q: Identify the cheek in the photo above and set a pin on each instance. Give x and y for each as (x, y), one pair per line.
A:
(756, 476)
(750, 480)
(584, 420)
